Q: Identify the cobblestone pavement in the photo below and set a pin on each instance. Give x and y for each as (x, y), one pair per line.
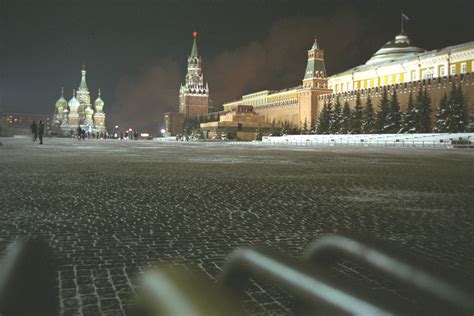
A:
(112, 209)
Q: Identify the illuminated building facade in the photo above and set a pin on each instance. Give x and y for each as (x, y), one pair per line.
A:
(397, 65)
(79, 110)
(297, 106)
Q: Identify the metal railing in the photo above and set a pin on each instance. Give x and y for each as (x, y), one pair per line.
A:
(27, 282)
(315, 289)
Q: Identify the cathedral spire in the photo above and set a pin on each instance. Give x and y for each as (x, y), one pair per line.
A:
(62, 91)
(194, 50)
(315, 44)
(83, 85)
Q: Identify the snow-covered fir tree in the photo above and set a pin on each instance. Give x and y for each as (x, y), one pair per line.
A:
(286, 128)
(457, 118)
(324, 121)
(336, 119)
(346, 118)
(408, 118)
(393, 117)
(368, 117)
(356, 126)
(382, 113)
(423, 112)
(442, 115)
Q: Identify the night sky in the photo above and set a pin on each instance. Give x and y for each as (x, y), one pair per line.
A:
(136, 50)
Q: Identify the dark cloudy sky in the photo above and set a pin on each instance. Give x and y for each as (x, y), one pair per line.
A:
(136, 50)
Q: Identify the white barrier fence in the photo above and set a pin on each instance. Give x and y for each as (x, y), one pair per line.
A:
(445, 140)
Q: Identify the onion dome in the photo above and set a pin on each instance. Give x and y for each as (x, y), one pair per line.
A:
(395, 49)
(98, 103)
(89, 111)
(61, 103)
(73, 103)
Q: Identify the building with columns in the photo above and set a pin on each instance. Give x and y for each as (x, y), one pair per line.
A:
(79, 111)
(398, 64)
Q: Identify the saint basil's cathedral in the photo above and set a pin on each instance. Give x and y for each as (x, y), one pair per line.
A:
(79, 111)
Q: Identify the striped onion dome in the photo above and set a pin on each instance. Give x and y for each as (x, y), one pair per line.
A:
(395, 49)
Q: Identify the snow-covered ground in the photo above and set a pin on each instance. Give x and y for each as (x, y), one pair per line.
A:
(110, 209)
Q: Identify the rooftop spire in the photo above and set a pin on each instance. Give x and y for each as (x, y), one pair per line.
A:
(83, 85)
(315, 44)
(99, 92)
(62, 91)
(194, 50)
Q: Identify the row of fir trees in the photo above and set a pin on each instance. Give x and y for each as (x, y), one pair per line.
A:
(451, 115)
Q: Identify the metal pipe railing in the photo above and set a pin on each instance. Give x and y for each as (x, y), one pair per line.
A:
(333, 247)
(294, 277)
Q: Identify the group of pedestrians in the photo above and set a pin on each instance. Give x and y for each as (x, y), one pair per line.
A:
(37, 131)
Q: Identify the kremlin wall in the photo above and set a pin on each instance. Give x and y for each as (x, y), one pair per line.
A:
(398, 65)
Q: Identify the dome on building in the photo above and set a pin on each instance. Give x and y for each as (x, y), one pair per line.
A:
(394, 49)
(99, 102)
(89, 111)
(61, 103)
(74, 103)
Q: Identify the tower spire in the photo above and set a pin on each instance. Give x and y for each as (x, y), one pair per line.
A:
(194, 50)
(83, 85)
(99, 93)
(315, 44)
(62, 91)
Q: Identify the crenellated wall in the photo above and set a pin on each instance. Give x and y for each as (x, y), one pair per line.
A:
(436, 88)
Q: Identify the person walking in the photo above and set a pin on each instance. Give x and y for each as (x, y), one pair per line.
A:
(41, 131)
(34, 130)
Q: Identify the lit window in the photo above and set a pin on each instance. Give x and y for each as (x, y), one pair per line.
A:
(452, 70)
(397, 79)
(414, 76)
(389, 80)
(356, 85)
(442, 71)
(347, 86)
(463, 68)
(382, 81)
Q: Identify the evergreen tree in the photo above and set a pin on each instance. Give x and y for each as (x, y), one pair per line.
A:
(324, 120)
(423, 112)
(442, 114)
(457, 112)
(356, 125)
(368, 117)
(393, 118)
(381, 122)
(408, 118)
(258, 133)
(305, 129)
(336, 118)
(346, 119)
(286, 128)
(275, 131)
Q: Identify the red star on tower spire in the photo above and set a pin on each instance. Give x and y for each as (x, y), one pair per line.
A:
(195, 34)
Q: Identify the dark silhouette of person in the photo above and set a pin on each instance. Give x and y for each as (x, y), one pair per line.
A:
(34, 130)
(41, 131)
(79, 133)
